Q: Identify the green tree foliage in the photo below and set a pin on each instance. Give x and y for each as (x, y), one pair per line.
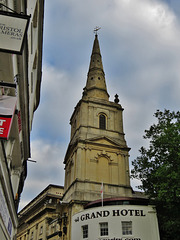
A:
(158, 168)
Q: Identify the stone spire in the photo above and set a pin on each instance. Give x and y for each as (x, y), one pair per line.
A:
(96, 84)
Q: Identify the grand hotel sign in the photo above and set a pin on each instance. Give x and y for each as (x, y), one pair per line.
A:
(13, 28)
(123, 222)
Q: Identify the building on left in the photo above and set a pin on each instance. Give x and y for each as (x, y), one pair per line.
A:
(20, 82)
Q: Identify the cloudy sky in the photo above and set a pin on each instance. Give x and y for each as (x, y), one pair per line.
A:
(140, 47)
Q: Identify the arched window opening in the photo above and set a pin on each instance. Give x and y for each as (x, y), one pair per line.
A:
(102, 121)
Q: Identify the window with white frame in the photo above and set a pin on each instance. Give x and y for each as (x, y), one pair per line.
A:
(127, 228)
(103, 229)
(85, 231)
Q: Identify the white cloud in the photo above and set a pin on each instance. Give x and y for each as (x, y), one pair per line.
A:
(49, 169)
(60, 93)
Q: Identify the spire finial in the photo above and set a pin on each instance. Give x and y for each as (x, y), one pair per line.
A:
(96, 29)
(116, 100)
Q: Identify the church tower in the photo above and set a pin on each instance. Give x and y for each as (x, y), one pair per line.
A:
(97, 152)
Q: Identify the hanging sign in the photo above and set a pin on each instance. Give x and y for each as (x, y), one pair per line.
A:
(7, 108)
(13, 28)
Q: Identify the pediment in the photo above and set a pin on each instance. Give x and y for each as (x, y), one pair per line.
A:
(104, 140)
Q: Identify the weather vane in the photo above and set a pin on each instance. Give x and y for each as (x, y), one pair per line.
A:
(96, 29)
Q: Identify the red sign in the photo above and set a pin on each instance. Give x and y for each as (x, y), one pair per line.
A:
(5, 125)
(7, 107)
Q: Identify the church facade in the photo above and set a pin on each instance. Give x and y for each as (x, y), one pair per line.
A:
(98, 202)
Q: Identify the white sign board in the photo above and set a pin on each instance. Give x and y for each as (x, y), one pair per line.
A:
(117, 222)
(12, 31)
